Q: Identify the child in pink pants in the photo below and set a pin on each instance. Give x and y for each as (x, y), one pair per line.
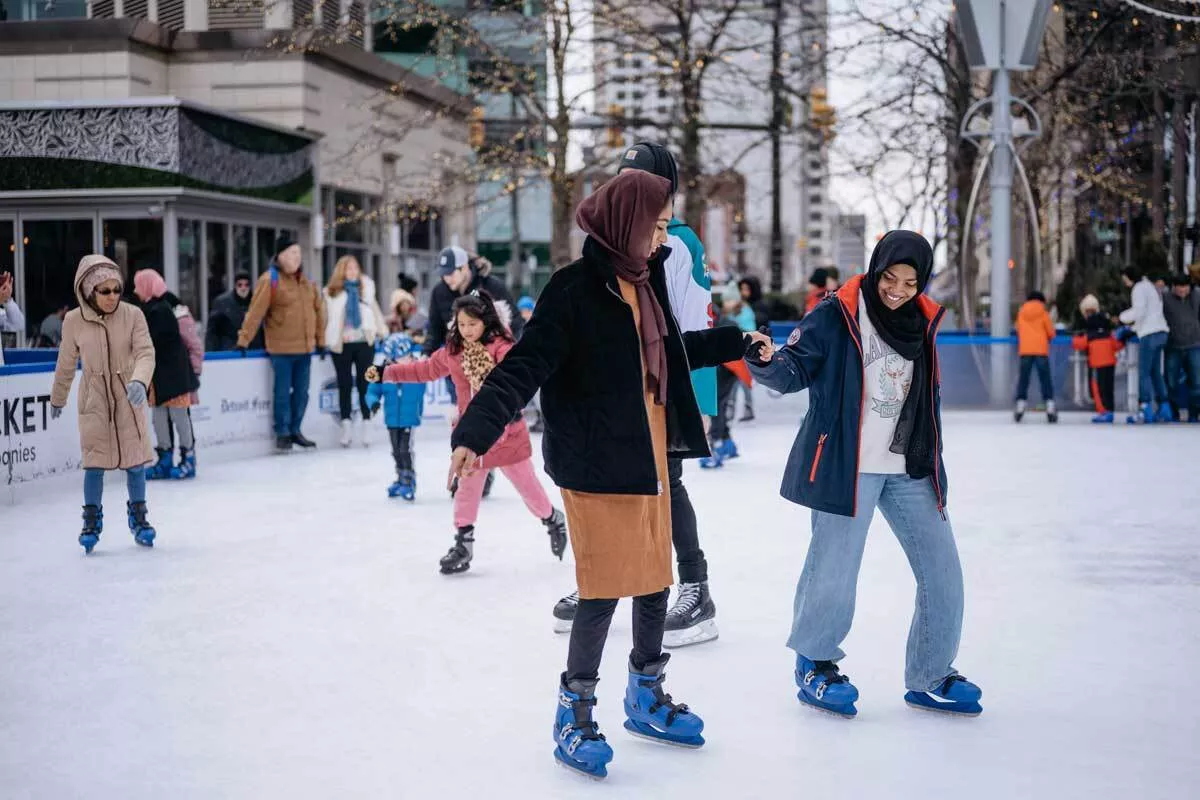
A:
(478, 340)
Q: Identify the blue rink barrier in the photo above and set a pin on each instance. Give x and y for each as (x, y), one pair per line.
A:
(966, 367)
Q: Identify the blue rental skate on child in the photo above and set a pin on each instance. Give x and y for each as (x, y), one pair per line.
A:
(651, 712)
(578, 743)
(405, 486)
(955, 695)
(824, 688)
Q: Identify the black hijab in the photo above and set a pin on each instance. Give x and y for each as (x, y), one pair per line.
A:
(904, 327)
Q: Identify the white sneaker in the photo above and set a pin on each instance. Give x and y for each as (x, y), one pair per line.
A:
(361, 427)
(347, 433)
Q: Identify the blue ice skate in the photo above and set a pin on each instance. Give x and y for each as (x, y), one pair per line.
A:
(956, 695)
(578, 743)
(651, 713)
(93, 523)
(1165, 413)
(405, 486)
(824, 688)
(1144, 416)
(728, 449)
(712, 462)
(139, 526)
(1104, 418)
(162, 468)
(187, 465)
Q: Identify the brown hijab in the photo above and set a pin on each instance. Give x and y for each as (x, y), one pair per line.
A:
(620, 217)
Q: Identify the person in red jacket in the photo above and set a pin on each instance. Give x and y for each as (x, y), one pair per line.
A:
(1035, 331)
(1101, 346)
(478, 340)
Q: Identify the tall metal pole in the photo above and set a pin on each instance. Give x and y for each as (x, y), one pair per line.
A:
(776, 148)
(1001, 185)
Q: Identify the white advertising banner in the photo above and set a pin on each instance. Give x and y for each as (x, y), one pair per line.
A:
(235, 408)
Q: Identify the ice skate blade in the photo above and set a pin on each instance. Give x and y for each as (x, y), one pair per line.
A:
(828, 710)
(705, 631)
(579, 768)
(969, 710)
(563, 625)
(455, 570)
(691, 743)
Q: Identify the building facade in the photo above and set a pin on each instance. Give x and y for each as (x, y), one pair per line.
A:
(736, 112)
(184, 135)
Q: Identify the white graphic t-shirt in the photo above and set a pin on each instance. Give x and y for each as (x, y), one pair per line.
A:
(888, 376)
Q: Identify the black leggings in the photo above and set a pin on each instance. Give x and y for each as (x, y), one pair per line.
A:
(358, 355)
(692, 566)
(590, 630)
(726, 384)
(401, 449)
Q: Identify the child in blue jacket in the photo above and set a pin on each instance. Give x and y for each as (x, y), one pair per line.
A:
(873, 439)
(403, 403)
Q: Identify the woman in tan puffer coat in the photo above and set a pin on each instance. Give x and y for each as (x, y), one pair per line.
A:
(113, 343)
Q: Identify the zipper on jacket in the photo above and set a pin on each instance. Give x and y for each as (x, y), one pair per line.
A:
(812, 473)
(112, 399)
(862, 400)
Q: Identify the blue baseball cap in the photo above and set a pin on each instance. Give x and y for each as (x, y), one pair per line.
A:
(452, 259)
(525, 304)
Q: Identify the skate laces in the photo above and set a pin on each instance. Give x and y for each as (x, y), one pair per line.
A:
(571, 599)
(688, 599)
(662, 699)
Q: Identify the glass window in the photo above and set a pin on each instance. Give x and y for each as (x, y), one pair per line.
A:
(52, 251)
(420, 234)
(29, 10)
(134, 244)
(189, 265)
(216, 252)
(8, 246)
(266, 248)
(243, 250)
(348, 206)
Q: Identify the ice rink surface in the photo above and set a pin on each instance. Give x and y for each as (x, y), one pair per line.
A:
(289, 636)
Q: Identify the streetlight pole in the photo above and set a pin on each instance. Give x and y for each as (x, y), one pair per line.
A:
(777, 115)
(1001, 186)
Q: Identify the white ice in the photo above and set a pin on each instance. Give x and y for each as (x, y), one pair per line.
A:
(289, 636)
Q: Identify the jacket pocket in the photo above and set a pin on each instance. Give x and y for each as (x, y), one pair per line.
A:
(816, 462)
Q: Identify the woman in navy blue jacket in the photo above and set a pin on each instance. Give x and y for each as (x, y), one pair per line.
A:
(872, 439)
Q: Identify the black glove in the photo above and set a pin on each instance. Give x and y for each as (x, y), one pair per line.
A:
(754, 349)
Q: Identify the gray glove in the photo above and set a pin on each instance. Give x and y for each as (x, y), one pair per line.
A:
(136, 392)
(55, 412)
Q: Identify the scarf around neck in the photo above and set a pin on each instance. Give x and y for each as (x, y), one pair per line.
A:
(353, 313)
(905, 330)
(620, 218)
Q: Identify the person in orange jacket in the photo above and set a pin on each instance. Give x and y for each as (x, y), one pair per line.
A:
(1035, 331)
(1101, 346)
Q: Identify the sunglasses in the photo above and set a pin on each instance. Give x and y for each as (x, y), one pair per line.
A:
(243, 284)
(107, 292)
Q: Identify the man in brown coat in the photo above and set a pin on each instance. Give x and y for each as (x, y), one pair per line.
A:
(290, 308)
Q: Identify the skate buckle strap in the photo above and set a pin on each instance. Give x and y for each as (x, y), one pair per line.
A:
(662, 699)
(584, 725)
(828, 671)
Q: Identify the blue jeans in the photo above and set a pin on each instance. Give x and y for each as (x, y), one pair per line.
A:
(291, 392)
(1151, 385)
(93, 485)
(824, 607)
(1028, 363)
(1185, 365)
